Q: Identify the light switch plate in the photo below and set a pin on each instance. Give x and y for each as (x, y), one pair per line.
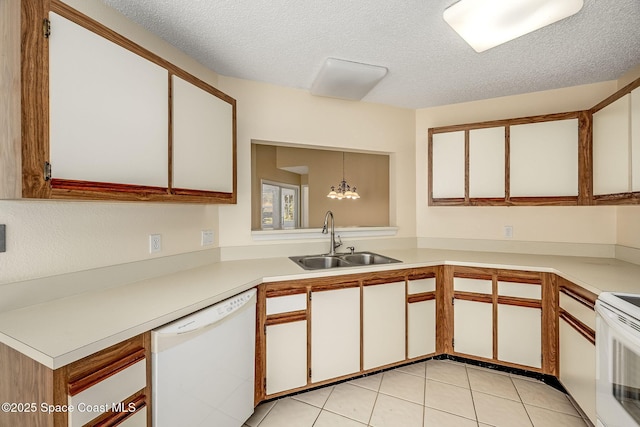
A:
(3, 238)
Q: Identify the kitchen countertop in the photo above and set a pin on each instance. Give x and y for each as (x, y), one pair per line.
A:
(61, 331)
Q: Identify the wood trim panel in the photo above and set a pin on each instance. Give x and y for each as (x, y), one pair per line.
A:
(444, 310)
(507, 122)
(467, 156)
(512, 201)
(507, 164)
(517, 276)
(578, 293)
(261, 346)
(102, 374)
(519, 302)
(138, 401)
(550, 325)
(424, 296)
(430, 200)
(280, 318)
(472, 296)
(585, 158)
(580, 327)
(473, 273)
(328, 287)
(617, 199)
(423, 275)
(34, 110)
(24, 380)
(274, 290)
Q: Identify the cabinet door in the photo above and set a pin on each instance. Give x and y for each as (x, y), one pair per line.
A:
(335, 333)
(286, 356)
(486, 162)
(611, 148)
(544, 159)
(202, 139)
(448, 165)
(383, 324)
(108, 110)
(421, 318)
(520, 335)
(578, 368)
(635, 139)
(421, 334)
(473, 328)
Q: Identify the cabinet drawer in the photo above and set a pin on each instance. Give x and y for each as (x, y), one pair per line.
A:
(422, 285)
(286, 303)
(97, 399)
(137, 419)
(480, 286)
(578, 310)
(519, 290)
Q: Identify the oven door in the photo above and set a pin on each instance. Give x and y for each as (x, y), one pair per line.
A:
(618, 367)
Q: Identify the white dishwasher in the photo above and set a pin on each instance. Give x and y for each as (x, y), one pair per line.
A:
(203, 366)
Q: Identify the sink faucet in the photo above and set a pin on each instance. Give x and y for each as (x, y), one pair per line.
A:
(325, 230)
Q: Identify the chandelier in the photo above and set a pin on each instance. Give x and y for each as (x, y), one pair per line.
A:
(343, 190)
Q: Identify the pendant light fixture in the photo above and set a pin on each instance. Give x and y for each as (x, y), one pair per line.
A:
(343, 190)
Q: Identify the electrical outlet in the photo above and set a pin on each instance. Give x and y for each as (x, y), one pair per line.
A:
(508, 231)
(155, 243)
(206, 238)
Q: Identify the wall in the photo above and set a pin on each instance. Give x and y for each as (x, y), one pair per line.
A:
(293, 116)
(48, 238)
(482, 227)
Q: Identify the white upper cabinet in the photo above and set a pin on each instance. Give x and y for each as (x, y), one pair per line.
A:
(486, 162)
(448, 165)
(611, 147)
(202, 139)
(544, 159)
(635, 140)
(108, 110)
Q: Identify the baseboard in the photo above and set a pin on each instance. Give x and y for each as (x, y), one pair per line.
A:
(522, 247)
(628, 254)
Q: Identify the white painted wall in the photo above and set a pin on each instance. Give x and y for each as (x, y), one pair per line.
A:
(285, 115)
(578, 224)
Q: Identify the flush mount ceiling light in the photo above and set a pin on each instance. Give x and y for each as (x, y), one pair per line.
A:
(344, 190)
(487, 23)
(346, 79)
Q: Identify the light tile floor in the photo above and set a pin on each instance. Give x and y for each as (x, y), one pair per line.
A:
(435, 393)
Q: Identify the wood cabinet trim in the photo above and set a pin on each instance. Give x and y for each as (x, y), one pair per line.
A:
(274, 291)
(578, 293)
(423, 296)
(472, 296)
(578, 326)
(138, 401)
(519, 302)
(77, 386)
(507, 122)
(289, 317)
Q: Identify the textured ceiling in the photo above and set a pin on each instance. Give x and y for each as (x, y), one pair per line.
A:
(285, 42)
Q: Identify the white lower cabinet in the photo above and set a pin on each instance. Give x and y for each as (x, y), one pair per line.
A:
(520, 335)
(473, 328)
(578, 368)
(384, 319)
(421, 324)
(286, 356)
(335, 333)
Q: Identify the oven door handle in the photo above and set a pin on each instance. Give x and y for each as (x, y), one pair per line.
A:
(619, 328)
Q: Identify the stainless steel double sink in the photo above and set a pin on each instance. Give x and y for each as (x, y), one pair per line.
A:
(319, 262)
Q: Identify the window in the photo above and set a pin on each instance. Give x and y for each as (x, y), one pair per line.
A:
(280, 206)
